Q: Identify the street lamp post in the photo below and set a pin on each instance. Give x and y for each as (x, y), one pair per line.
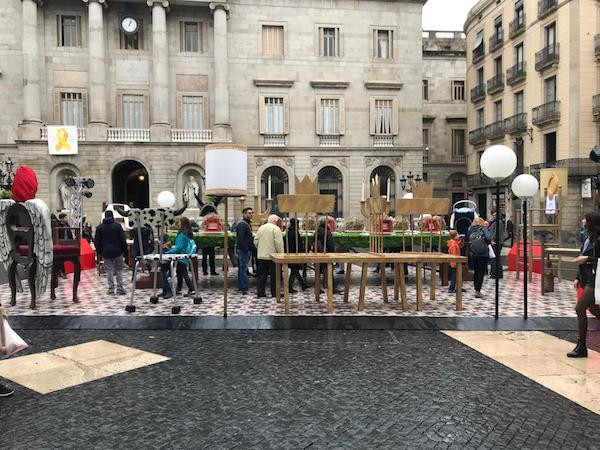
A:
(525, 186)
(498, 162)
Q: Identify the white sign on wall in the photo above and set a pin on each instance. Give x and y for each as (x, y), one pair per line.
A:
(62, 140)
(586, 188)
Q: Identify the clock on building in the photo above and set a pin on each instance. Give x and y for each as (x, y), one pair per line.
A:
(129, 25)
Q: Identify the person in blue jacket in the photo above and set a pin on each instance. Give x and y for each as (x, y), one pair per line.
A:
(184, 243)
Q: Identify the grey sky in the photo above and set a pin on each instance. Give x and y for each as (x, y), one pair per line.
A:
(446, 15)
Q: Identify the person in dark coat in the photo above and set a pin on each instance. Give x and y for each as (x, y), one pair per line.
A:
(111, 244)
(295, 244)
(64, 233)
(325, 243)
(586, 279)
(496, 263)
(245, 246)
(478, 240)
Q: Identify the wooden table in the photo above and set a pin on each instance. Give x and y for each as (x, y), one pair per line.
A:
(548, 252)
(283, 260)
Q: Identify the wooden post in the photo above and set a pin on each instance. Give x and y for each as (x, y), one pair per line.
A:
(277, 282)
(384, 283)
(459, 282)
(317, 281)
(403, 287)
(433, 281)
(347, 281)
(286, 292)
(419, 268)
(363, 285)
(396, 282)
(329, 288)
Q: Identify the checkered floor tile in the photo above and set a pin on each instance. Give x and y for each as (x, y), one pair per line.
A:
(95, 301)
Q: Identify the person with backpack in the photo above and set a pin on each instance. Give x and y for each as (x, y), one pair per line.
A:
(478, 240)
(184, 244)
(110, 242)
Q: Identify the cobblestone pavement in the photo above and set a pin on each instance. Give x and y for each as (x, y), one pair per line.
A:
(363, 389)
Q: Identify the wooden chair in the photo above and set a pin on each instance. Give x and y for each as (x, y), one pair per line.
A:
(66, 250)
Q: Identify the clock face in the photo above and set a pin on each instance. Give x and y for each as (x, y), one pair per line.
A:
(129, 25)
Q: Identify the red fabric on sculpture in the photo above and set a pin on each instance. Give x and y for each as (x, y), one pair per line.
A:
(25, 184)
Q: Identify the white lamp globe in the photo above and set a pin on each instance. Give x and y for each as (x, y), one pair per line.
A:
(498, 162)
(525, 186)
(165, 199)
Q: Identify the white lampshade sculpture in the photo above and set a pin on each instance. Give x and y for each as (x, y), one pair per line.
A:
(525, 186)
(497, 163)
(165, 199)
(226, 176)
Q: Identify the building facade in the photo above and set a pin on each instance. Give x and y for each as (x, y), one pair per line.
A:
(445, 113)
(326, 89)
(532, 74)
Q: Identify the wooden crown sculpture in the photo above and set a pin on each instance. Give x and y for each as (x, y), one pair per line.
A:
(423, 201)
(422, 190)
(307, 198)
(306, 186)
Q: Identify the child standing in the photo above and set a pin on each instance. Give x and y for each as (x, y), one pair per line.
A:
(454, 245)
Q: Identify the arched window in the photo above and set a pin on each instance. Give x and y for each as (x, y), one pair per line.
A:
(279, 185)
(386, 173)
(331, 182)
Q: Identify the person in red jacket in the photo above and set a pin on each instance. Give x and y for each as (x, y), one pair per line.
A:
(454, 245)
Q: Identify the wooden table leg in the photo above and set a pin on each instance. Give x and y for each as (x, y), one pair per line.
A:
(419, 272)
(433, 281)
(396, 281)
(459, 277)
(444, 274)
(347, 281)
(317, 282)
(286, 291)
(383, 283)
(330, 288)
(363, 285)
(403, 287)
(277, 282)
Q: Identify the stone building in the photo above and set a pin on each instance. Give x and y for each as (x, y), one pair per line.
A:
(532, 73)
(445, 113)
(329, 89)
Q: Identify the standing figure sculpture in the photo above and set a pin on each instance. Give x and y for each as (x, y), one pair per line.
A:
(65, 195)
(191, 191)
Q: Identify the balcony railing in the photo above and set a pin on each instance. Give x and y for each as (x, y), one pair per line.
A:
(545, 7)
(546, 57)
(516, 124)
(479, 53)
(129, 134)
(328, 140)
(181, 135)
(80, 134)
(478, 93)
(477, 136)
(546, 113)
(495, 130)
(516, 27)
(459, 159)
(597, 46)
(274, 140)
(496, 40)
(383, 140)
(516, 73)
(596, 107)
(495, 84)
(426, 156)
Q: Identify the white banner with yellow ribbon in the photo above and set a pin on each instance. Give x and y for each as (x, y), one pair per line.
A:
(62, 140)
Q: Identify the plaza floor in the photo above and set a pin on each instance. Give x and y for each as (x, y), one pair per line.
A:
(94, 300)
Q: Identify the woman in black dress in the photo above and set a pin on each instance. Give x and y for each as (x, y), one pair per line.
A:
(295, 245)
(587, 262)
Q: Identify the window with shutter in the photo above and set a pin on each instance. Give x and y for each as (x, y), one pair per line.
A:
(272, 40)
(133, 111)
(274, 115)
(330, 116)
(193, 112)
(71, 109)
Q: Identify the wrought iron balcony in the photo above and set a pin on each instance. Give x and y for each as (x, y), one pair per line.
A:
(517, 26)
(597, 46)
(479, 53)
(459, 159)
(545, 7)
(495, 84)
(546, 57)
(477, 136)
(496, 40)
(426, 155)
(516, 73)
(494, 130)
(596, 107)
(478, 93)
(516, 124)
(546, 113)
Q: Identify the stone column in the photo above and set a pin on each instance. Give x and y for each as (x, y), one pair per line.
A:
(97, 124)
(29, 129)
(160, 130)
(222, 126)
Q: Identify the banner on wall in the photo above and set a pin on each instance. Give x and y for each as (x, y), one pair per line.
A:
(62, 140)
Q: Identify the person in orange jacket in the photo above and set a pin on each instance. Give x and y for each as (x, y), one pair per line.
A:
(454, 245)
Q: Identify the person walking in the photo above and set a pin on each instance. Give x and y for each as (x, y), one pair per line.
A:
(510, 232)
(268, 240)
(111, 244)
(245, 246)
(496, 262)
(478, 239)
(295, 245)
(184, 244)
(454, 246)
(586, 279)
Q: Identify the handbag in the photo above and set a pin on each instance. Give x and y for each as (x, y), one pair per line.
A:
(491, 251)
(10, 342)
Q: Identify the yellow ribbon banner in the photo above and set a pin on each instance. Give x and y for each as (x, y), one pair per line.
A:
(63, 136)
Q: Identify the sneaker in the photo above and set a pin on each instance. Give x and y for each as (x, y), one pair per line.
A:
(110, 292)
(177, 292)
(451, 291)
(5, 391)
(478, 294)
(190, 294)
(214, 273)
(168, 295)
(121, 292)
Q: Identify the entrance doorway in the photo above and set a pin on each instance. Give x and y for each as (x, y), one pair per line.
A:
(482, 205)
(130, 184)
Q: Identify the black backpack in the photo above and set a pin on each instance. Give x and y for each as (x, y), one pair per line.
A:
(478, 243)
